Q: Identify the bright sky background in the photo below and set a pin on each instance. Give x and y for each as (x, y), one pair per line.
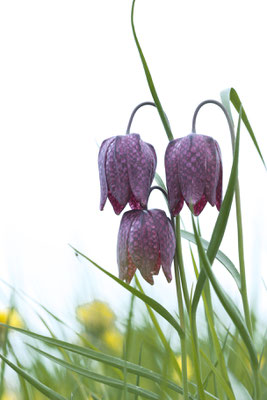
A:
(70, 76)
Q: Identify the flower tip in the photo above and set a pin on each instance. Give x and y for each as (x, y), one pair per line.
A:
(168, 275)
(149, 279)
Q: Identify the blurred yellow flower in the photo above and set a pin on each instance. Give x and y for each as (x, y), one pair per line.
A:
(96, 316)
(11, 317)
(9, 396)
(189, 367)
(113, 339)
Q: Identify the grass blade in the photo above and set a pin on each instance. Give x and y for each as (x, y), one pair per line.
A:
(117, 383)
(224, 260)
(146, 299)
(230, 308)
(220, 225)
(161, 334)
(51, 394)
(98, 356)
(230, 95)
(151, 85)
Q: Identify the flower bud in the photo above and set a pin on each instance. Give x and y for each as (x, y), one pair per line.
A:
(193, 173)
(146, 240)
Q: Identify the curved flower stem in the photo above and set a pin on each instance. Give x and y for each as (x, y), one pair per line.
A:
(158, 188)
(238, 215)
(217, 103)
(145, 103)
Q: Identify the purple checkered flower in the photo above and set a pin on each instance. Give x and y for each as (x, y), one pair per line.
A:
(127, 167)
(193, 173)
(146, 240)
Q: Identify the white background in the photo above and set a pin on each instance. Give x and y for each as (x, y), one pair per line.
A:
(70, 75)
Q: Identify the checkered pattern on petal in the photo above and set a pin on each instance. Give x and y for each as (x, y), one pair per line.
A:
(219, 184)
(116, 173)
(212, 169)
(191, 167)
(126, 267)
(143, 245)
(175, 197)
(167, 241)
(193, 173)
(102, 170)
(141, 167)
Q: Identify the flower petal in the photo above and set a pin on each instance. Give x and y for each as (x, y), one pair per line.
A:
(102, 171)
(143, 245)
(219, 185)
(212, 169)
(167, 241)
(192, 167)
(175, 197)
(126, 267)
(141, 159)
(116, 173)
(198, 207)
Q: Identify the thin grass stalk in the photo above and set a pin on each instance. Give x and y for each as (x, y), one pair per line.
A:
(242, 268)
(179, 255)
(195, 349)
(244, 295)
(211, 342)
(240, 240)
(236, 318)
(208, 310)
(182, 322)
(179, 271)
(151, 85)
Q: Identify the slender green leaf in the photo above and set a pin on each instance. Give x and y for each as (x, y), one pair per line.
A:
(151, 85)
(138, 376)
(161, 334)
(98, 356)
(117, 383)
(230, 95)
(220, 226)
(227, 303)
(51, 394)
(220, 378)
(239, 389)
(214, 343)
(224, 260)
(146, 299)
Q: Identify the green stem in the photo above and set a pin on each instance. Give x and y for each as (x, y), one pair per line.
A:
(179, 255)
(194, 339)
(182, 323)
(244, 295)
(232, 312)
(242, 269)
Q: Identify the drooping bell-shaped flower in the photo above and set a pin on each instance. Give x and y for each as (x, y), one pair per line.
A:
(146, 240)
(127, 167)
(193, 173)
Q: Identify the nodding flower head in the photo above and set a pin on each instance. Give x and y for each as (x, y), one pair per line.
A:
(193, 173)
(146, 240)
(127, 167)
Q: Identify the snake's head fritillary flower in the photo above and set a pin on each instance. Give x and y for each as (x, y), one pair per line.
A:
(193, 173)
(146, 241)
(127, 168)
